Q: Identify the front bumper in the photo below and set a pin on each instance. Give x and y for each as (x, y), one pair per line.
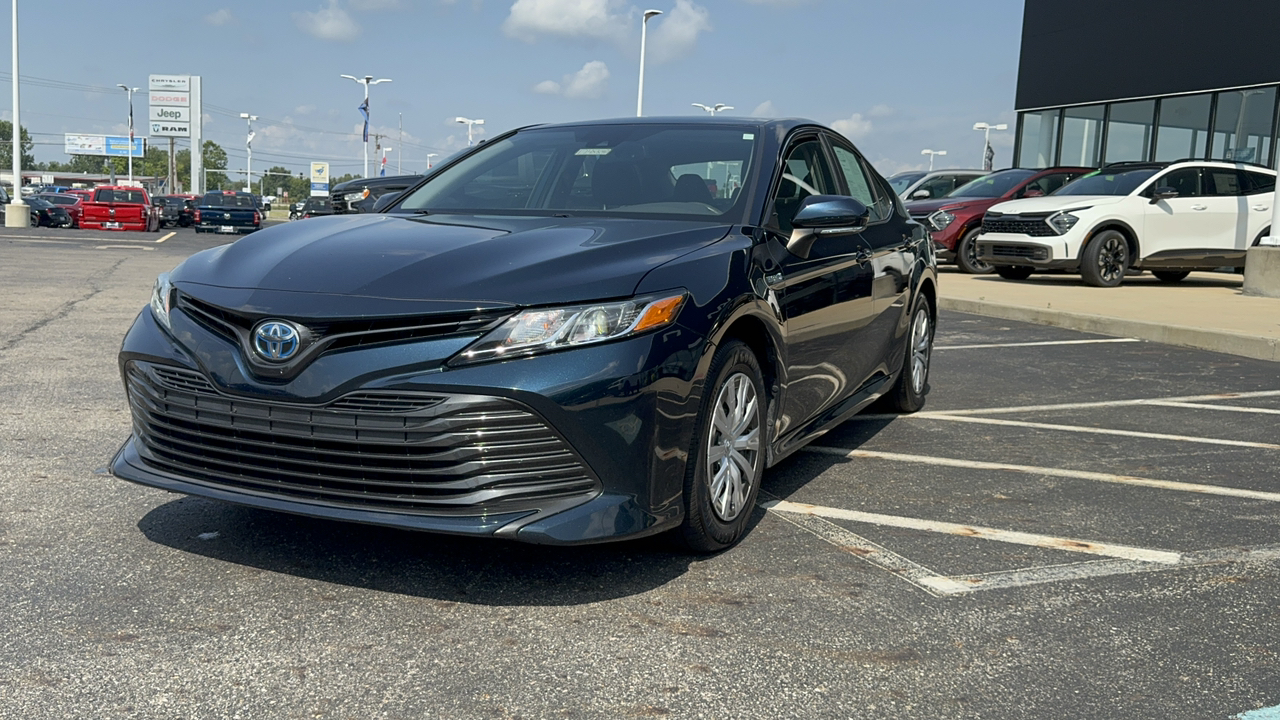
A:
(1007, 249)
(587, 445)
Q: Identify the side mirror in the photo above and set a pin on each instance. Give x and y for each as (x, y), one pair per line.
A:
(921, 195)
(1164, 192)
(824, 216)
(386, 201)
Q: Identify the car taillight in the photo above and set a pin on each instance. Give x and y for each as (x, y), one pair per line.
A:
(197, 216)
(257, 219)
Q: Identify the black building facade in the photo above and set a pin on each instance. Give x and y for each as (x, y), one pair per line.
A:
(1101, 81)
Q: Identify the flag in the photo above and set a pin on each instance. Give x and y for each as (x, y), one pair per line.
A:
(364, 110)
(989, 158)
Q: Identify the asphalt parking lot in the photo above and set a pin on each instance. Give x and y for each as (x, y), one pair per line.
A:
(1074, 527)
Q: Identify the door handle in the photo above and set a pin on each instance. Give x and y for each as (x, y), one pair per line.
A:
(1261, 208)
(1199, 207)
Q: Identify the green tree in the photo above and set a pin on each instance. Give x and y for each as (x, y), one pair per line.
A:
(6, 146)
(214, 158)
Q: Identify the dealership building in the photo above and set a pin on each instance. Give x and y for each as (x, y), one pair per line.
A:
(1101, 81)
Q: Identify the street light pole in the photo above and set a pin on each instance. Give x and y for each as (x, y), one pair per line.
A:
(644, 35)
(367, 80)
(16, 214)
(248, 144)
(987, 128)
(931, 154)
(713, 109)
(429, 156)
(401, 145)
(470, 124)
(130, 91)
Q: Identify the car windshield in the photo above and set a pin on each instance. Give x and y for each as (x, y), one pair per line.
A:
(992, 186)
(176, 201)
(39, 204)
(1103, 182)
(228, 200)
(902, 181)
(317, 204)
(675, 171)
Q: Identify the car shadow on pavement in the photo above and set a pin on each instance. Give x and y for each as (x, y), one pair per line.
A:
(478, 571)
(798, 470)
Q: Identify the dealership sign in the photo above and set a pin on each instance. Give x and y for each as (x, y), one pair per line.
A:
(170, 106)
(319, 179)
(107, 145)
(181, 83)
(171, 114)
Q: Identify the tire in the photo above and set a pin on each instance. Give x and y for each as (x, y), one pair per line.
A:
(1266, 232)
(1170, 276)
(1105, 259)
(1014, 272)
(720, 494)
(967, 254)
(908, 393)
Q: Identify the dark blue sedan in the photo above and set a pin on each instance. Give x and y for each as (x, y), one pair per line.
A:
(572, 333)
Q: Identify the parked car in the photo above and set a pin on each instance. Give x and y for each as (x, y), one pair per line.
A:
(1169, 218)
(46, 214)
(316, 207)
(560, 338)
(176, 210)
(295, 210)
(922, 185)
(73, 204)
(228, 212)
(956, 220)
(359, 196)
(119, 207)
(83, 193)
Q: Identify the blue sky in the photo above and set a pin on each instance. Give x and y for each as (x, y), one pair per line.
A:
(897, 76)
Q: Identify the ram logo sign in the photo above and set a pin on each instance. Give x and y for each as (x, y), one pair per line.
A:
(160, 129)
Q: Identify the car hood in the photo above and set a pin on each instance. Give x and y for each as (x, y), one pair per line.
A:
(438, 263)
(1055, 203)
(928, 207)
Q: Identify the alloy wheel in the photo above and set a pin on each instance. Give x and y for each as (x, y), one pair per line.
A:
(921, 349)
(733, 446)
(1113, 258)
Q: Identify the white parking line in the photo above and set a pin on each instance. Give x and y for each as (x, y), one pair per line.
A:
(1036, 344)
(1051, 472)
(1082, 405)
(1206, 406)
(124, 247)
(1095, 430)
(1009, 536)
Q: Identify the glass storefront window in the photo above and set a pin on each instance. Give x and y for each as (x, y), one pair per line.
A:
(1129, 131)
(1082, 135)
(1184, 127)
(1242, 127)
(1039, 139)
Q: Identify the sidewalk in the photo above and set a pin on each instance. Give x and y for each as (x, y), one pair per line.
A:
(1205, 311)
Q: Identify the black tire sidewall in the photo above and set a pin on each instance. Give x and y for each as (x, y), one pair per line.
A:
(970, 239)
(702, 530)
(1089, 270)
(904, 398)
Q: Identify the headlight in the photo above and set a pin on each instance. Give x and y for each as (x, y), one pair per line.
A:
(534, 331)
(941, 219)
(1062, 222)
(161, 295)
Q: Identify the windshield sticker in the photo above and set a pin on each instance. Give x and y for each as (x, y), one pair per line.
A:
(594, 151)
(748, 136)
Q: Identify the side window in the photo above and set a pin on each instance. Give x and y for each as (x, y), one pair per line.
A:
(937, 187)
(1046, 185)
(1221, 183)
(855, 176)
(1257, 183)
(805, 172)
(1185, 180)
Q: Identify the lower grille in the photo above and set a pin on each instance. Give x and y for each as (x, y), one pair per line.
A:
(1031, 227)
(1022, 252)
(408, 452)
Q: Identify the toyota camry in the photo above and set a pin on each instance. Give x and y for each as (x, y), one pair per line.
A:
(569, 334)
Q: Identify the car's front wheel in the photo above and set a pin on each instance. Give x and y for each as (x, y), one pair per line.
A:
(725, 467)
(967, 254)
(1105, 259)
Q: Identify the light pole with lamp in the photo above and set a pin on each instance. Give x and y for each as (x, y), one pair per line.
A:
(16, 214)
(644, 34)
(130, 91)
(986, 146)
(429, 156)
(367, 80)
(931, 154)
(248, 144)
(470, 124)
(713, 109)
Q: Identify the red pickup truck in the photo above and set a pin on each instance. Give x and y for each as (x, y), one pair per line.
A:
(114, 207)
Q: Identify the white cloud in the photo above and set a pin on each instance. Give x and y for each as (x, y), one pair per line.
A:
(364, 5)
(589, 82)
(305, 109)
(765, 109)
(677, 32)
(221, 16)
(880, 111)
(854, 127)
(589, 19)
(328, 23)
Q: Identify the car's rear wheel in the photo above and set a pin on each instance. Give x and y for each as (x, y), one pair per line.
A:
(727, 462)
(967, 254)
(1170, 276)
(1105, 259)
(907, 395)
(1014, 272)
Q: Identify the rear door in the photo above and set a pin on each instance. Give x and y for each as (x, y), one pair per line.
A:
(1228, 208)
(1260, 191)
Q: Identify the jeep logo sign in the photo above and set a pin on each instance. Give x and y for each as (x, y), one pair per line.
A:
(171, 114)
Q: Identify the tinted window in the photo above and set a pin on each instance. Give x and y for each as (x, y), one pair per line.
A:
(805, 172)
(652, 170)
(1120, 182)
(61, 199)
(855, 176)
(1048, 184)
(1256, 182)
(993, 185)
(228, 201)
(1221, 182)
(902, 181)
(119, 196)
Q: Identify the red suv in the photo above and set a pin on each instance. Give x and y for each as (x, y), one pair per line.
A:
(956, 220)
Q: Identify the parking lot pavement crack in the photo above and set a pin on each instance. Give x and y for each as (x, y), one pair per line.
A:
(96, 282)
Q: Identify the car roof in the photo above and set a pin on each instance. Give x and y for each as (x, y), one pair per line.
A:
(376, 181)
(1162, 164)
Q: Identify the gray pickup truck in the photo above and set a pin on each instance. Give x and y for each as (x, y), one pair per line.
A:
(229, 212)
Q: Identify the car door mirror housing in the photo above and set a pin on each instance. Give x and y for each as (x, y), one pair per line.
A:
(1164, 192)
(826, 215)
(921, 195)
(386, 201)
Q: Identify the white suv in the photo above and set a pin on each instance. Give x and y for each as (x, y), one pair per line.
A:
(1170, 218)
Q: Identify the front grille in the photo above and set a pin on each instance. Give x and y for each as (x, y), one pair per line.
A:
(1021, 252)
(1031, 227)
(408, 452)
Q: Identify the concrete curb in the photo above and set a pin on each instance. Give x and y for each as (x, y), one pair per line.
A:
(1249, 346)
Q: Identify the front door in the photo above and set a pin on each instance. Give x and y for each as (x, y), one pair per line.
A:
(826, 299)
(1178, 229)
